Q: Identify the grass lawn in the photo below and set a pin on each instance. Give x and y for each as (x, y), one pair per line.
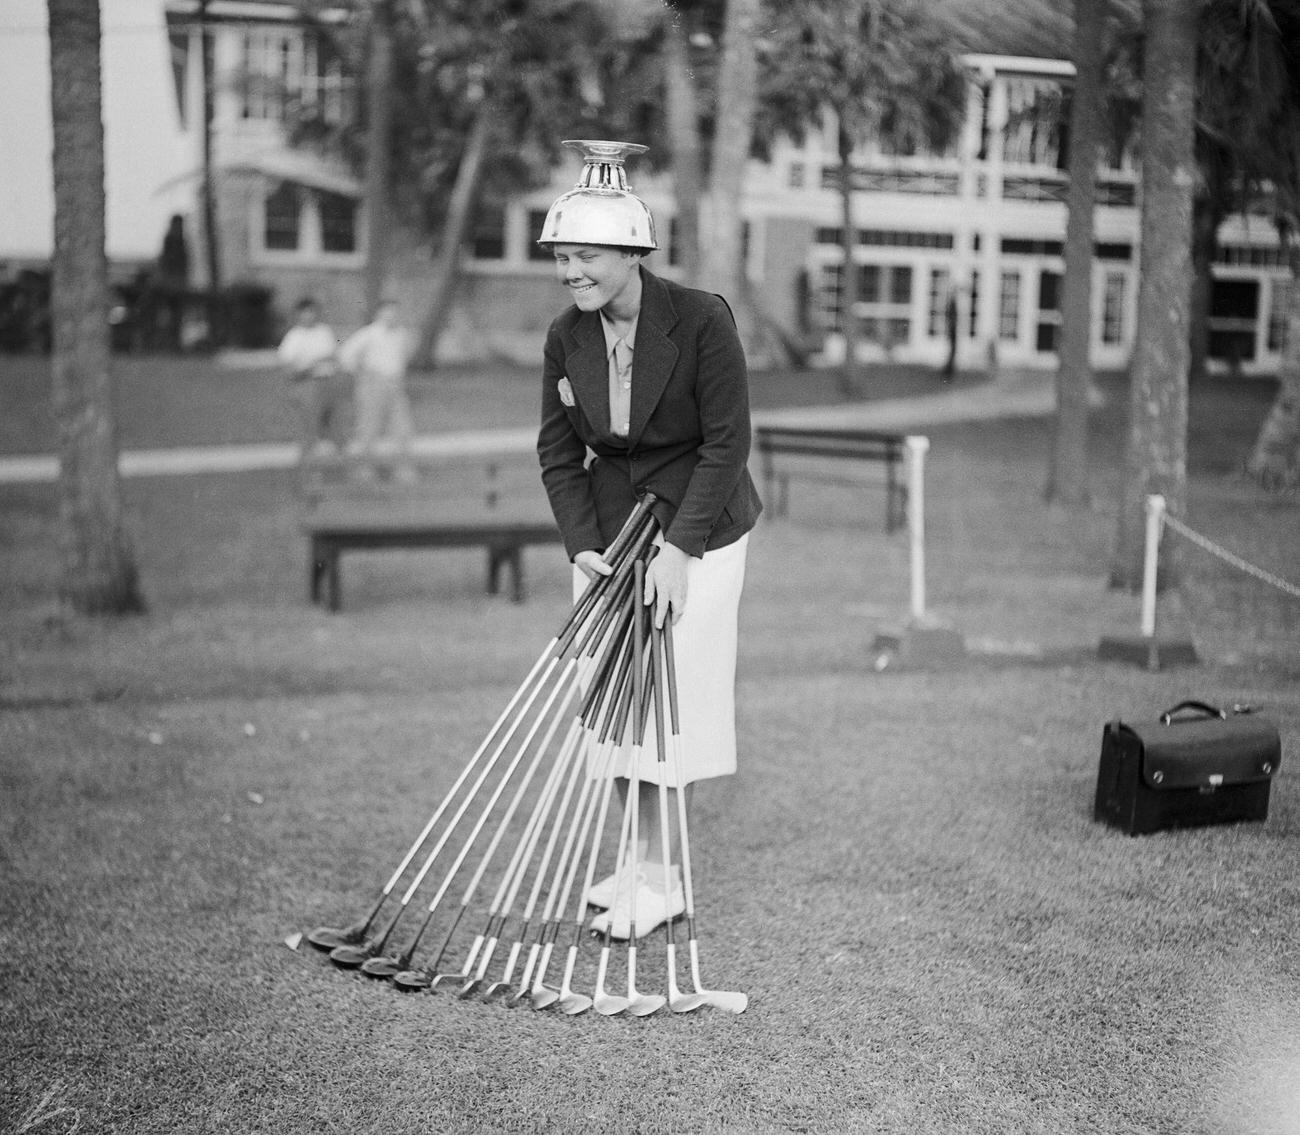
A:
(905, 876)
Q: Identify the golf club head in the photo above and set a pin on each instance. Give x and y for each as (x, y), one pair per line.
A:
(517, 998)
(573, 1003)
(350, 957)
(643, 1004)
(609, 1004)
(412, 980)
(543, 996)
(446, 978)
(495, 990)
(385, 966)
(469, 988)
(726, 1000)
(680, 1002)
(327, 938)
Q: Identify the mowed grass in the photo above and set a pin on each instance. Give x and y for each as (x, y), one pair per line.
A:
(905, 876)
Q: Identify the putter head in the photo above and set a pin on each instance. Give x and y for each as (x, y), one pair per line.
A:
(383, 967)
(350, 957)
(412, 980)
(643, 1004)
(726, 1000)
(327, 938)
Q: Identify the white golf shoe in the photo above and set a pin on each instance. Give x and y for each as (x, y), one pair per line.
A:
(655, 905)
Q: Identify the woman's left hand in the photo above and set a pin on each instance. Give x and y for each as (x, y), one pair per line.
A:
(665, 582)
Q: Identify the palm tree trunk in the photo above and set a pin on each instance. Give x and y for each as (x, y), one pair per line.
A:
(849, 371)
(1275, 460)
(1205, 247)
(1156, 458)
(1067, 481)
(454, 230)
(379, 97)
(98, 573)
(684, 140)
(722, 254)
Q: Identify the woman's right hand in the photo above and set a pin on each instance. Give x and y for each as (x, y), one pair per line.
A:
(591, 564)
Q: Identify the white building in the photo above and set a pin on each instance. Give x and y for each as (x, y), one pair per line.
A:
(987, 219)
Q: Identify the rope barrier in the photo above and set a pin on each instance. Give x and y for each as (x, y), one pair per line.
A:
(1230, 558)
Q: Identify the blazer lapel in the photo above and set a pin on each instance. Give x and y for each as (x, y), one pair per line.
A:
(588, 371)
(654, 354)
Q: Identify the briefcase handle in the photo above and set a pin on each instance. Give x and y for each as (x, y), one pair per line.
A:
(1207, 710)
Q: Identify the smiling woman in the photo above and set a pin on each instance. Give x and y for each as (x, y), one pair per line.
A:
(645, 391)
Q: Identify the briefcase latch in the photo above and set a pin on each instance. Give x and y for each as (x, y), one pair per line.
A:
(1213, 781)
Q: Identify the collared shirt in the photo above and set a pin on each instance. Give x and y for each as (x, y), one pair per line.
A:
(378, 351)
(619, 352)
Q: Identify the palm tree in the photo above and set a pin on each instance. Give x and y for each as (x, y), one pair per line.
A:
(721, 251)
(1067, 481)
(1156, 453)
(886, 69)
(379, 123)
(98, 567)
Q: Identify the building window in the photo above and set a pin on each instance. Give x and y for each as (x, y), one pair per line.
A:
(888, 238)
(1049, 311)
(1009, 306)
(283, 229)
(338, 222)
(973, 326)
(797, 173)
(309, 223)
(285, 70)
(1036, 118)
(536, 219)
(1113, 297)
(882, 305)
(1278, 314)
(488, 240)
(936, 321)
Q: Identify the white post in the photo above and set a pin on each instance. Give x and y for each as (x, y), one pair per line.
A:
(1155, 522)
(916, 448)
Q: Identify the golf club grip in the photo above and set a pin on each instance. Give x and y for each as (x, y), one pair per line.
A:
(670, 667)
(638, 649)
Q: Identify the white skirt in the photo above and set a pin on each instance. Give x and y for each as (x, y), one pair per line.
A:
(704, 654)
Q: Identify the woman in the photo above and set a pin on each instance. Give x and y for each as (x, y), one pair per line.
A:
(645, 390)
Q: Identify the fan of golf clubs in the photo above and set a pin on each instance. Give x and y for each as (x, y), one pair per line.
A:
(588, 697)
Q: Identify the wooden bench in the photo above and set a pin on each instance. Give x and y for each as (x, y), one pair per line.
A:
(334, 527)
(816, 452)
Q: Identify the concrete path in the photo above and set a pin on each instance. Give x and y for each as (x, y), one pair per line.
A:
(1018, 395)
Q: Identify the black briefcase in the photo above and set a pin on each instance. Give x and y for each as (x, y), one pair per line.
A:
(1194, 765)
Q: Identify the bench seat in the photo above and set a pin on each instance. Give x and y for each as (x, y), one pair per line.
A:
(828, 455)
(336, 526)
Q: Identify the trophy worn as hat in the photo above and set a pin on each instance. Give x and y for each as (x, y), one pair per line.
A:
(601, 208)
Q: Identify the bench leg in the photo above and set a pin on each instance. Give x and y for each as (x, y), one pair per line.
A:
(517, 573)
(315, 570)
(510, 556)
(334, 587)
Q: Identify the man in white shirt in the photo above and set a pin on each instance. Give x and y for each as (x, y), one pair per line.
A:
(378, 356)
(317, 388)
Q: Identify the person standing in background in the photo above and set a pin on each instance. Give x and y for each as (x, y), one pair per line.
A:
(317, 387)
(378, 356)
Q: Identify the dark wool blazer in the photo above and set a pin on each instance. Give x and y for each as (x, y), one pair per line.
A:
(688, 441)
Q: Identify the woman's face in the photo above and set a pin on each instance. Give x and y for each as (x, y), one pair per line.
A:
(596, 276)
